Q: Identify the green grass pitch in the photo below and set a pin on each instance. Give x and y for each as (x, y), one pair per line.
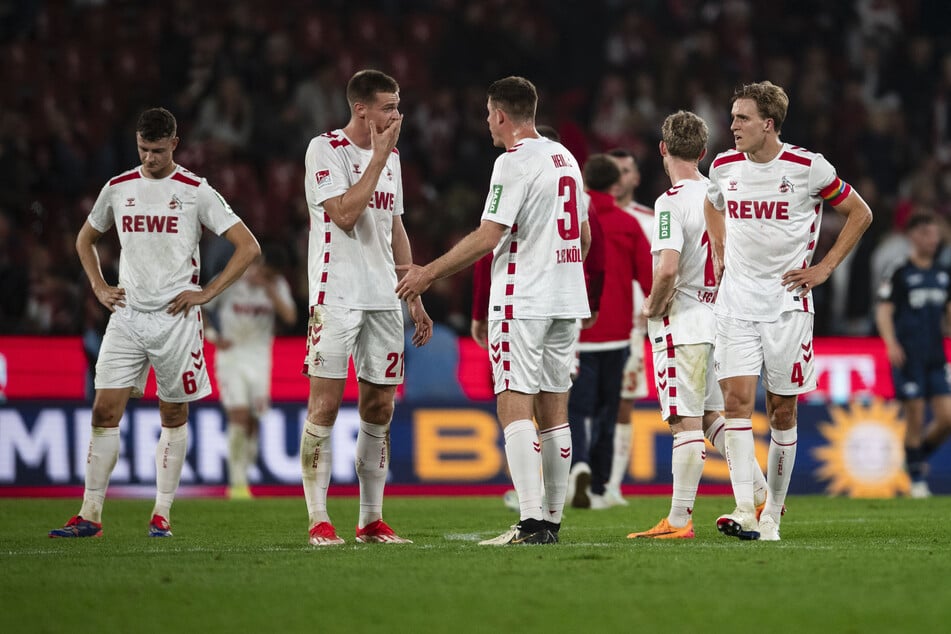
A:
(843, 566)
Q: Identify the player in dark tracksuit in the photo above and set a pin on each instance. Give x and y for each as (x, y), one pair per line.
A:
(913, 305)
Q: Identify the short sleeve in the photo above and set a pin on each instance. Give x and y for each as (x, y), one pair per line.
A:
(824, 183)
(714, 193)
(668, 226)
(101, 218)
(326, 175)
(213, 211)
(891, 286)
(506, 192)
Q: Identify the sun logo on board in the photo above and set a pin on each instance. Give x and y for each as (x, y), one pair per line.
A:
(865, 457)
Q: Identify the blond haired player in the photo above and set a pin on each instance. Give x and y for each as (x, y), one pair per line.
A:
(245, 316)
(763, 211)
(535, 219)
(158, 210)
(354, 191)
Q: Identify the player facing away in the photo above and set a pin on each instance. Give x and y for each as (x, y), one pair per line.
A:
(354, 190)
(913, 306)
(158, 210)
(765, 200)
(245, 316)
(603, 348)
(634, 382)
(535, 219)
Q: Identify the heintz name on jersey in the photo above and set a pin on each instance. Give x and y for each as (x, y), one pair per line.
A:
(149, 224)
(759, 209)
(572, 254)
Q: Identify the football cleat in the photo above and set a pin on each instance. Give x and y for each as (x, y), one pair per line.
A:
(598, 501)
(525, 532)
(919, 490)
(614, 498)
(768, 529)
(663, 530)
(760, 507)
(510, 500)
(379, 532)
(323, 534)
(78, 527)
(159, 527)
(239, 493)
(738, 524)
(579, 479)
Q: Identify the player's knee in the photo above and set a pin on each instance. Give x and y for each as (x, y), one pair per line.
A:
(377, 412)
(736, 406)
(105, 414)
(783, 416)
(173, 414)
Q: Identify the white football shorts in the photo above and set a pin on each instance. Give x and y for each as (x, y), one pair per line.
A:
(244, 377)
(532, 355)
(782, 349)
(171, 344)
(374, 338)
(686, 383)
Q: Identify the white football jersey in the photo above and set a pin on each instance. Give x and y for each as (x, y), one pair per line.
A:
(773, 211)
(246, 314)
(680, 226)
(159, 222)
(537, 268)
(352, 269)
(645, 216)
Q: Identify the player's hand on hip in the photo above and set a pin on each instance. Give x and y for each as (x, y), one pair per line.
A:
(111, 297)
(801, 281)
(185, 300)
(414, 283)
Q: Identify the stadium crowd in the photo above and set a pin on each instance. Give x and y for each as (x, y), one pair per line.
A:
(869, 80)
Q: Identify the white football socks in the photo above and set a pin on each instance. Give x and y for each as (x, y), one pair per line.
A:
(169, 460)
(556, 463)
(621, 459)
(714, 434)
(100, 461)
(316, 464)
(779, 468)
(372, 462)
(237, 455)
(687, 465)
(739, 452)
(523, 452)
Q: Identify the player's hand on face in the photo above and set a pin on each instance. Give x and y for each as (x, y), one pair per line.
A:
(384, 141)
(424, 325)
(414, 283)
(185, 300)
(111, 297)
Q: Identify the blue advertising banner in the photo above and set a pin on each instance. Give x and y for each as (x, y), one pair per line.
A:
(853, 449)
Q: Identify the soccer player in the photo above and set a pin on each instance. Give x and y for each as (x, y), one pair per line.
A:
(912, 308)
(354, 192)
(681, 323)
(763, 210)
(634, 382)
(245, 316)
(159, 210)
(535, 219)
(603, 348)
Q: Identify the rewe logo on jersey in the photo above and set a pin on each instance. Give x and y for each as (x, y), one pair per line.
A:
(382, 200)
(150, 224)
(759, 209)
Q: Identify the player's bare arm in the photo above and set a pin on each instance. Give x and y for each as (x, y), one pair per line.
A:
(585, 239)
(716, 231)
(345, 210)
(480, 332)
(246, 248)
(884, 320)
(417, 278)
(858, 218)
(665, 284)
(402, 254)
(111, 297)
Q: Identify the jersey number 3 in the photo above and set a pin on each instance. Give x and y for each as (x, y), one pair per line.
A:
(568, 227)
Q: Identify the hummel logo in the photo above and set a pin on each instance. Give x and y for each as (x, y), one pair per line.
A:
(496, 358)
(537, 447)
(565, 452)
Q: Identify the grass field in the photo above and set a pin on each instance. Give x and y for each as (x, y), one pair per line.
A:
(843, 566)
